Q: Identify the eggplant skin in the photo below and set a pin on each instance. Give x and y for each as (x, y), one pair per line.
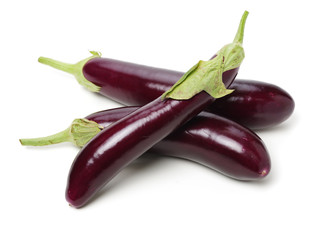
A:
(213, 141)
(254, 104)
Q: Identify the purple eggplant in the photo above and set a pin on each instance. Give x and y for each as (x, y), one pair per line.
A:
(128, 138)
(210, 140)
(254, 104)
(207, 139)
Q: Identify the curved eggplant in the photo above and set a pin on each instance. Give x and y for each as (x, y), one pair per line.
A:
(216, 142)
(254, 104)
(122, 142)
(210, 140)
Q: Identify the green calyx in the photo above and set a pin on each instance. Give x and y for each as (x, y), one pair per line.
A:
(207, 75)
(75, 69)
(79, 133)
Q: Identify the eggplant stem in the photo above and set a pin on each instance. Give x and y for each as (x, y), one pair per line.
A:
(66, 67)
(207, 75)
(239, 37)
(80, 132)
(60, 137)
(74, 69)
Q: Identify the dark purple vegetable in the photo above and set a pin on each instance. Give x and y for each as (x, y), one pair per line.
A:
(253, 104)
(208, 139)
(128, 138)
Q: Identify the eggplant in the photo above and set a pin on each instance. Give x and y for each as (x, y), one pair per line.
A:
(254, 104)
(213, 141)
(125, 140)
(207, 139)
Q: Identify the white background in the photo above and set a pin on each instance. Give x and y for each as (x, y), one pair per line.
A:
(288, 43)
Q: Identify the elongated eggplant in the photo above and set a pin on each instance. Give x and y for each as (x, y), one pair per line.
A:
(210, 140)
(128, 138)
(254, 104)
(207, 139)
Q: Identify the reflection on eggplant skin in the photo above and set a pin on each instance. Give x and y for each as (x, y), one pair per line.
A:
(219, 139)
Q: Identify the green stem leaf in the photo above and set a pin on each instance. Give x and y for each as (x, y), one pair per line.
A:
(79, 133)
(62, 136)
(74, 69)
(239, 37)
(207, 75)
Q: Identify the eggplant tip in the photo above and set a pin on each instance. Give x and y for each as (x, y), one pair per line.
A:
(264, 172)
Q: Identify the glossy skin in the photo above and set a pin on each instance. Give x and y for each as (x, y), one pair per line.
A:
(253, 104)
(210, 140)
(125, 140)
